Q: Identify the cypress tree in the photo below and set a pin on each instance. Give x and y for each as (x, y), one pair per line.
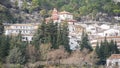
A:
(101, 53)
(85, 42)
(111, 47)
(59, 36)
(116, 48)
(106, 49)
(97, 48)
(65, 38)
(39, 36)
(52, 33)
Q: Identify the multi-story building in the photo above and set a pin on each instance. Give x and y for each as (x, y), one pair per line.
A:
(27, 30)
(75, 29)
(60, 17)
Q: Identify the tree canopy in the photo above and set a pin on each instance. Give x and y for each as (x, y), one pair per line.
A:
(52, 33)
(105, 49)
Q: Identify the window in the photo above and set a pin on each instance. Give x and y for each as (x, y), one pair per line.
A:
(16, 31)
(23, 37)
(116, 63)
(26, 38)
(23, 31)
(32, 38)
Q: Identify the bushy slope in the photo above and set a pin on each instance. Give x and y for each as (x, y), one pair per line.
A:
(31, 10)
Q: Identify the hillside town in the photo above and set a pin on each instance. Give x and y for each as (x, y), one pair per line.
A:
(59, 33)
(96, 31)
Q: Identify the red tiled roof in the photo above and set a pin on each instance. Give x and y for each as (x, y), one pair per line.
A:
(64, 12)
(115, 56)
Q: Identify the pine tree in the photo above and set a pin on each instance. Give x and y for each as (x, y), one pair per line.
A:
(24, 7)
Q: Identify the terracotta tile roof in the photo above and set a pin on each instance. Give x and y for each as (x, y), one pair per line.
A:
(110, 37)
(65, 12)
(115, 56)
(22, 25)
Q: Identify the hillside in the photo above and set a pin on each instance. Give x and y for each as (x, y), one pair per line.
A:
(29, 11)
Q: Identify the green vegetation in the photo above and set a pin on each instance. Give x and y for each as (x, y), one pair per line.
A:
(105, 49)
(79, 7)
(4, 47)
(52, 33)
(13, 48)
(17, 53)
(85, 42)
(50, 46)
(5, 15)
(51, 42)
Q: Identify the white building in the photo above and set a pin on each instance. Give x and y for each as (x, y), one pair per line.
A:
(91, 29)
(61, 17)
(27, 30)
(64, 15)
(109, 32)
(74, 28)
(75, 32)
(113, 60)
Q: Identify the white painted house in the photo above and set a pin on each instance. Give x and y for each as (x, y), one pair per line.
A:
(60, 17)
(75, 32)
(64, 15)
(113, 60)
(27, 30)
(109, 32)
(105, 26)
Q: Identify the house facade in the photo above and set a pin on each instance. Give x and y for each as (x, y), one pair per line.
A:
(60, 17)
(27, 30)
(113, 61)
